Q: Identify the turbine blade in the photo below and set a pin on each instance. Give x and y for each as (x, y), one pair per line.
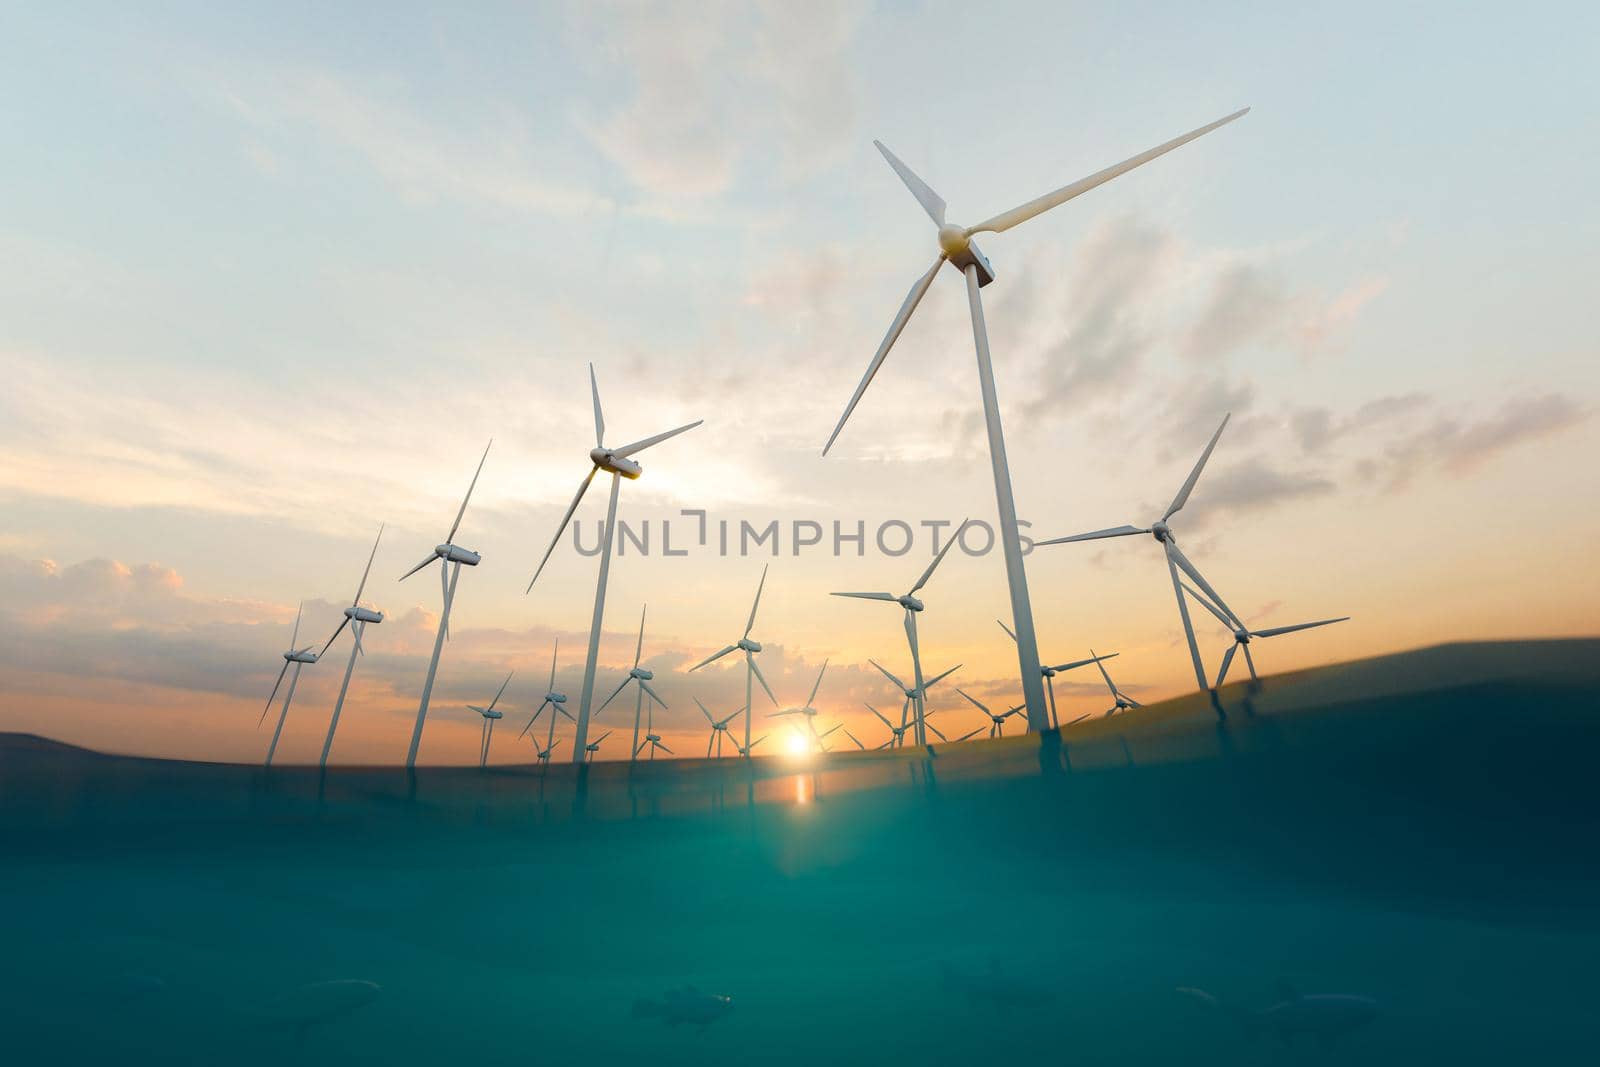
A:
(653, 694)
(638, 650)
(903, 316)
(1176, 554)
(1183, 616)
(1114, 531)
(534, 719)
(935, 729)
(785, 711)
(938, 559)
(973, 700)
(1109, 684)
(812, 699)
(1194, 476)
(614, 694)
(756, 603)
(1007, 629)
(663, 748)
(758, 740)
(470, 487)
(852, 737)
(502, 691)
(969, 735)
(561, 527)
(554, 648)
(431, 557)
(1227, 661)
(879, 714)
(714, 657)
(273, 696)
(706, 713)
(1004, 221)
(760, 678)
(898, 684)
(1075, 664)
(931, 682)
(639, 446)
(373, 555)
(1276, 630)
(1080, 718)
(1128, 699)
(869, 596)
(1203, 602)
(931, 201)
(599, 419)
(294, 638)
(335, 636)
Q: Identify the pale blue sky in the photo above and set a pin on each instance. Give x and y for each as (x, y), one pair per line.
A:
(271, 275)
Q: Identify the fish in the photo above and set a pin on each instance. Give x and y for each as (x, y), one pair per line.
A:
(1327, 1017)
(996, 988)
(686, 1005)
(318, 1003)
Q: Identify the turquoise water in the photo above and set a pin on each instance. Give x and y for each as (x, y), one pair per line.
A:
(1039, 900)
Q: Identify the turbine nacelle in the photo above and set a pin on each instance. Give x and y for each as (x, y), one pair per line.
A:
(910, 603)
(608, 461)
(642, 674)
(456, 554)
(748, 645)
(304, 655)
(1161, 531)
(357, 613)
(556, 698)
(956, 244)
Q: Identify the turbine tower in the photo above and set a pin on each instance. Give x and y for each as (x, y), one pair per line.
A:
(451, 557)
(1242, 636)
(1176, 560)
(911, 608)
(751, 671)
(957, 249)
(490, 717)
(640, 675)
(357, 618)
(1051, 672)
(618, 463)
(296, 658)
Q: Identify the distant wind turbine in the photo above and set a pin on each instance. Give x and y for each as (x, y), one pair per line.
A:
(751, 671)
(1176, 560)
(808, 711)
(642, 677)
(357, 618)
(1123, 702)
(956, 248)
(490, 717)
(719, 728)
(997, 723)
(746, 749)
(897, 734)
(593, 747)
(1051, 672)
(552, 699)
(297, 658)
(1242, 636)
(915, 695)
(618, 463)
(911, 607)
(452, 557)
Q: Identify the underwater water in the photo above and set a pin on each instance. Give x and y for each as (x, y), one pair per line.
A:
(1419, 832)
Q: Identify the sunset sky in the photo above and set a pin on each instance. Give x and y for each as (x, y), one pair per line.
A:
(272, 276)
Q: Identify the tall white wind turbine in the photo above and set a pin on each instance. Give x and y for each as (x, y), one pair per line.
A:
(1176, 560)
(1050, 673)
(751, 671)
(911, 607)
(642, 677)
(1242, 635)
(452, 557)
(552, 699)
(296, 658)
(957, 249)
(358, 619)
(1122, 701)
(618, 463)
(490, 717)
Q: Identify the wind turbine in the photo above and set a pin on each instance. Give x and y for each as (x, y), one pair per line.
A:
(820, 739)
(914, 695)
(745, 750)
(556, 711)
(719, 728)
(964, 737)
(651, 738)
(296, 657)
(1176, 560)
(956, 248)
(897, 733)
(749, 648)
(640, 675)
(552, 699)
(360, 617)
(617, 463)
(997, 723)
(911, 607)
(808, 711)
(593, 747)
(1242, 636)
(490, 716)
(1051, 672)
(544, 753)
(1124, 702)
(451, 557)
(858, 743)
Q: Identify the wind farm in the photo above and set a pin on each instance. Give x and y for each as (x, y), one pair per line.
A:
(926, 762)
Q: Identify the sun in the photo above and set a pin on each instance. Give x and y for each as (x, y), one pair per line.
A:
(799, 744)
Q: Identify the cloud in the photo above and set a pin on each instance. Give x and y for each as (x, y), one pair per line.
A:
(722, 90)
(1249, 304)
(1454, 446)
(1250, 486)
(1317, 428)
